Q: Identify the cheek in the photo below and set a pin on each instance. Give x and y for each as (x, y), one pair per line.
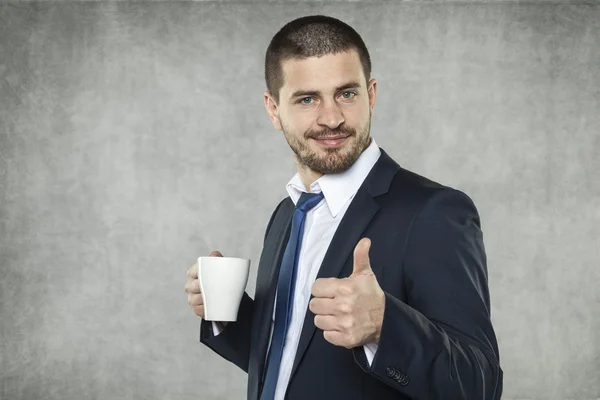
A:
(366, 110)
(358, 120)
(357, 112)
(299, 124)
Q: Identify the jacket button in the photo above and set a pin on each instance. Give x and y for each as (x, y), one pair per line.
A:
(403, 380)
(390, 372)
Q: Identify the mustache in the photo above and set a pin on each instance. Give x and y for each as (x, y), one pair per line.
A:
(331, 132)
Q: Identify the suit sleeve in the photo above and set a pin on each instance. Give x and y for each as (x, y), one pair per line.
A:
(233, 343)
(440, 344)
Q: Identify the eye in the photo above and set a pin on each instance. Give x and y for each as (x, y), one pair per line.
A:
(304, 98)
(344, 95)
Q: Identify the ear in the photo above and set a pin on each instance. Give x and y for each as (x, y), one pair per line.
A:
(372, 89)
(272, 110)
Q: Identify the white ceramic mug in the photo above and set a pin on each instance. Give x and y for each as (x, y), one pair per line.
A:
(222, 283)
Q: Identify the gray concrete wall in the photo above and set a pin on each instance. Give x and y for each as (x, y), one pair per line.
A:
(133, 139)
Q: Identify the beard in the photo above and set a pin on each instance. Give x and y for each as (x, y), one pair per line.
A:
(328, 160)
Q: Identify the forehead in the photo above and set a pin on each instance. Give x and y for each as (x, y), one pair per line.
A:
(321, 73)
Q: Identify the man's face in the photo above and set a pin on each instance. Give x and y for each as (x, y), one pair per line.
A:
(324, 97)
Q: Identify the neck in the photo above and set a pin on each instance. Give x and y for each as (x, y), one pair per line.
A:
(307, 175)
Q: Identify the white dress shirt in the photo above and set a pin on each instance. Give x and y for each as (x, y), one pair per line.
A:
(320, 225)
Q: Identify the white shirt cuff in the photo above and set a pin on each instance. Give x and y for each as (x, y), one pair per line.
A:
(370, 350)
(217, 328)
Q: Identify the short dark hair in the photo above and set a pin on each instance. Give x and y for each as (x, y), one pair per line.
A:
(311, 36)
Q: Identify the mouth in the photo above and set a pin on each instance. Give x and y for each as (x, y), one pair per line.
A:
(331, 141)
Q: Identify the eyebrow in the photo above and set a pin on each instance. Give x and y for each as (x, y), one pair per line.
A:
(349, 85)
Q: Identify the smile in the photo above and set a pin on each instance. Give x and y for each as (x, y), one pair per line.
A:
(327, 142)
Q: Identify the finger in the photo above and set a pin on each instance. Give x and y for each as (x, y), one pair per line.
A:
(362, 264)
(199, 310)
(192, 272)
(192, 286)
(327, 322)
(215, 253)
(336, 338)
(195, 300)
(325, 287)
(322, 306)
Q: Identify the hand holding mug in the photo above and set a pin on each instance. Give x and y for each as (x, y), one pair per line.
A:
(192, 287)
(216, 286)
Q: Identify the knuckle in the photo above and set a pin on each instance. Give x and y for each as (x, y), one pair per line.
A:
(195, 300)
(345, 308)
(347, 290)
(347, 324)
(192, 286)
(191, 271)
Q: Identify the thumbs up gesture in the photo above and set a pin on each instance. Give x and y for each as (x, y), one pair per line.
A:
(350, 310)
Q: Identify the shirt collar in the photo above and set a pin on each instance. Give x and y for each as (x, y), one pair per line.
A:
(338, 188)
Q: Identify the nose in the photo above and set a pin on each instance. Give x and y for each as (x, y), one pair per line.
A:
(330, 115)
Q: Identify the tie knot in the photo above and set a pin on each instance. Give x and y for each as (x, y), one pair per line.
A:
(308, 201)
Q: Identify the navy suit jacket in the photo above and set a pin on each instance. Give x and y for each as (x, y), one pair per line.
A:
(427, 252)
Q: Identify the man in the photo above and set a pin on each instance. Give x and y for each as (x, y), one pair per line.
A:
(372, 282)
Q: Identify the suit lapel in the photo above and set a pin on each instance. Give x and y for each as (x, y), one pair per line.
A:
(348, 233)
(359, 214)
(355, 221)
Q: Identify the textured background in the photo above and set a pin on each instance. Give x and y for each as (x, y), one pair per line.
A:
(133, 139)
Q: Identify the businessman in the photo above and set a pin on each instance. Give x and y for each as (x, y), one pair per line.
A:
(372, 282)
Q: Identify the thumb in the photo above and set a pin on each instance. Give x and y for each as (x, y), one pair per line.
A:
(362, 264)
(215, 253)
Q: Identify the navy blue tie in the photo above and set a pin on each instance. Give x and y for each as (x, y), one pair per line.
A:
(285, 291)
